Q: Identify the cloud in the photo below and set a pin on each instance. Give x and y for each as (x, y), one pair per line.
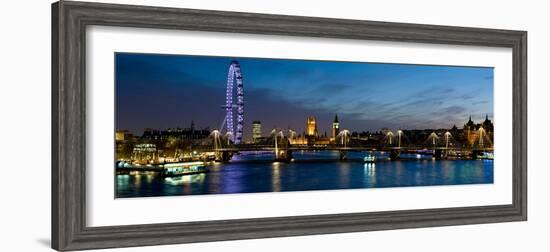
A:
(434, 91)
(161, 94)
(480, 102)
(450, 110)
(331, 88)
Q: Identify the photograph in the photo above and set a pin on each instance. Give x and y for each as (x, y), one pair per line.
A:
(201, 125)
(271, 126)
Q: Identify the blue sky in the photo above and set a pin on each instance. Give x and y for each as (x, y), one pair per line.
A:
(162, 91)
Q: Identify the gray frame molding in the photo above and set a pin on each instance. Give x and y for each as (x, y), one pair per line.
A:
(69, 20)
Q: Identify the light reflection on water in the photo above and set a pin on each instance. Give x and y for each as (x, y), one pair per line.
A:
(182, 180)
(247, 173)
(275, 177)
(369, 171)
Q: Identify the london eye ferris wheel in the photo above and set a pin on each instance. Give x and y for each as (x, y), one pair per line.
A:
(234, 78)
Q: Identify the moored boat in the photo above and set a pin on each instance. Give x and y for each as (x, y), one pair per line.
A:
(486, 155)
(369, 159)
(165, 169)
(181, 171)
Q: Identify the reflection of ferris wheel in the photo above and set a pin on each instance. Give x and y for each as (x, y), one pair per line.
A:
(234, 75)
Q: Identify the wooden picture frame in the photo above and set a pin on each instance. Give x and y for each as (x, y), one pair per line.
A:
(69, 20)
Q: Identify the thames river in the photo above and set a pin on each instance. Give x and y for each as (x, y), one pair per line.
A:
(253, 172)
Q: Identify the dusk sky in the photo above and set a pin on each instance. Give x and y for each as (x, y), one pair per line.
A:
(169, 91)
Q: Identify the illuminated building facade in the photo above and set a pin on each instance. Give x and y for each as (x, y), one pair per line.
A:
(256, 131)
(145, 152)
(479, 134)
(175, 134)
(124, 141)
(119, 135)
(123, 135)
(311, 127)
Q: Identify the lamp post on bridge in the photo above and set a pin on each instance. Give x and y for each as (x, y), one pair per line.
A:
(399, 133)
(217, 143)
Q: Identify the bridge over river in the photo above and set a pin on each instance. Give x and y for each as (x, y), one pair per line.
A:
(441, 147)
(283, 152)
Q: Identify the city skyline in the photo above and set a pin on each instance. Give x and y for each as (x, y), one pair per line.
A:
(169, 91)
(258, 129)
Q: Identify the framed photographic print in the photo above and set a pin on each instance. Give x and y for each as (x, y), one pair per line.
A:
(177, 125)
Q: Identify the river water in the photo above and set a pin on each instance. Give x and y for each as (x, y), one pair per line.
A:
(254, 172)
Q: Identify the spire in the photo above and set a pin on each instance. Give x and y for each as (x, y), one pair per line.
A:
(335, 118)
(487, 121)
(470, 123)
(470, 120)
